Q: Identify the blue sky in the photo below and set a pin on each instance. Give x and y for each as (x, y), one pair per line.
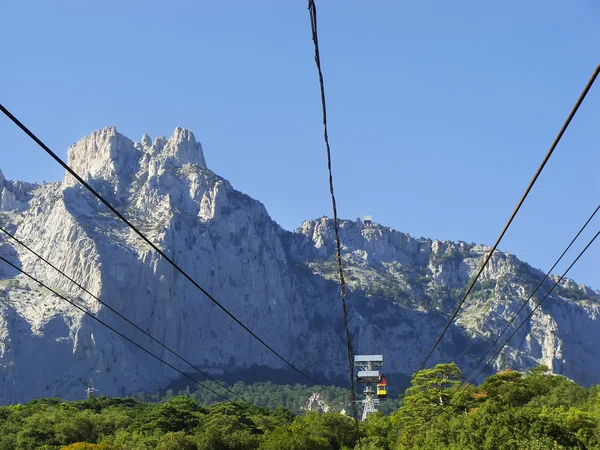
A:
(440, 112)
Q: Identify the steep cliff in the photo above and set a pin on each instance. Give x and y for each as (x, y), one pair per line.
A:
(281, 284)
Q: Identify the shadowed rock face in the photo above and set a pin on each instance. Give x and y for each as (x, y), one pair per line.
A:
(281, 284)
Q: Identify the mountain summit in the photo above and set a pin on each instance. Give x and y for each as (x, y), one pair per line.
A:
(281, 284)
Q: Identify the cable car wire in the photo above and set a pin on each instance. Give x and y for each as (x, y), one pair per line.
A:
(535, 177)
(313, 22)
(149, 242)
(173, 352)
(531, 313)
(526, 302)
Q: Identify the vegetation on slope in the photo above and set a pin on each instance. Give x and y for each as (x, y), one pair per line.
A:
(510, 410)
(292, 397)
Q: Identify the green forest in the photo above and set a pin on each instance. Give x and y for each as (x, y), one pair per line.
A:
(509, 410)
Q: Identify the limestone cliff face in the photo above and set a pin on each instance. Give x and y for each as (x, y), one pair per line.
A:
(280, 284)
(14, 195)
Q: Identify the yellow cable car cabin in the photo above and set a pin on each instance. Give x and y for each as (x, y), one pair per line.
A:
(381, 391)
(382, 388)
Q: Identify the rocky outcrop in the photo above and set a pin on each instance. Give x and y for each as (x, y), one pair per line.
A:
(281, 284)
(14, 195)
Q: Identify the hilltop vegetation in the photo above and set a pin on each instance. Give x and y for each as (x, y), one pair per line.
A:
(510, 410)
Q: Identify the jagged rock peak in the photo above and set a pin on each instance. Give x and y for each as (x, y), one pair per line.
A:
(109, 143)
(108, 155)
(181, 147)
(146, 141)
(104, 154)
(1, 179)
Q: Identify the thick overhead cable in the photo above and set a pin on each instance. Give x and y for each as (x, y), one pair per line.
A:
(531, 313)
(173, 352)
(535, 177)
(313, 22)
(526, 302)
(148, 241)
(93, 316)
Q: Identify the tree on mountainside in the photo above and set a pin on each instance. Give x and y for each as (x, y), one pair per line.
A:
(376, 432)
(178, 414)
(74, 427)
(291, 438)
(86, 446)
(229, 427)
(428, 397)
(176, 441)
(430, 390)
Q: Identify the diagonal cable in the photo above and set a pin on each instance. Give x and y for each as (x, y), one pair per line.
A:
(526, 302)
(173, 352)
(531, 313)
(148, 241)
(93, 316)
(535, 177)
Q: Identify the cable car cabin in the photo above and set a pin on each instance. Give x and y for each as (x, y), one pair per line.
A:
(382, 387)
(381, 390)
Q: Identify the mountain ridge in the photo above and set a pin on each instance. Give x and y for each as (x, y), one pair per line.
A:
(280, 283)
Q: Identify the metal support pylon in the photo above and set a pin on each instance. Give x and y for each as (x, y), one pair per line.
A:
(91, 390)
(368, 402)
(368, 376)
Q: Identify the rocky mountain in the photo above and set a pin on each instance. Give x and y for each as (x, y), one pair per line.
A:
(281, 284)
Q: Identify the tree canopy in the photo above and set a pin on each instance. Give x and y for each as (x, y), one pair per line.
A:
(509, 410)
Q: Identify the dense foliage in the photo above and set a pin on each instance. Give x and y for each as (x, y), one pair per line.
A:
(270, 395)
(510, 410)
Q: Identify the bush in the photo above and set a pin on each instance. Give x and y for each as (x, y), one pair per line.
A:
(176, 441)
